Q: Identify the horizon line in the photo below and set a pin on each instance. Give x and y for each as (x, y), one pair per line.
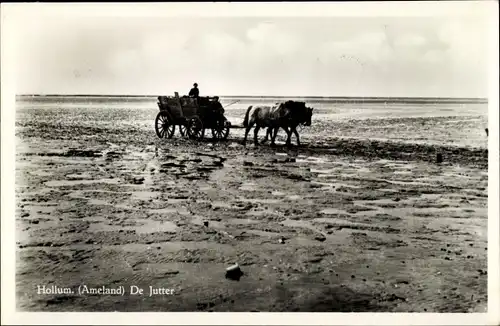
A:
(264, 96)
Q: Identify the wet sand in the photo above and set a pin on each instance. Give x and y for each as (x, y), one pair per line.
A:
(337, 225)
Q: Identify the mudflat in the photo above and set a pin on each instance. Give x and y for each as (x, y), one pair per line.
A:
(352, 225)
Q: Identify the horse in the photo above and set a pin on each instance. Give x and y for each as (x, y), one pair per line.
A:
(287, 115)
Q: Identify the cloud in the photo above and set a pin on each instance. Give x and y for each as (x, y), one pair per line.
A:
(315, 56)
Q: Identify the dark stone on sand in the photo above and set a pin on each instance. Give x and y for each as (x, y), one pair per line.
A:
(397, 199)
(352, 276)
(439, 158)
(35, 222)
(246, 163)
(205, 223)
(447, 245)
(471, 244)
(315, 260)
(447, 258)
(138, 180)
(234, 272)
(320, 238)
(25, 215)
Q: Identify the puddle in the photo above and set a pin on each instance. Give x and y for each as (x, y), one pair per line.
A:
(79, 176)
(299, 224)
(263, 233)
(402, 172)
(278, 193)
(170, 210)
(145, 195)
(331, 220)
(41, 173)
(218, 175)
(260, 200)
(142, 227)
(249, 186)
(345, 185)
(294, 197)
(396, 182)
(42, 209)
(62, 183)
(311, 159)
(151, 226)
(244, 221)
(323, 172)
(173, 246)
(265, 212)
(65, 161)
(198, 220)
(99, 202)
(333, 211)
(221, 204)
(389, 190)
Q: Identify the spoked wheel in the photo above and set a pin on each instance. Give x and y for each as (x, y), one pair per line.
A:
(221, 131)
(195, 129)
(163, 126)
(183, 130)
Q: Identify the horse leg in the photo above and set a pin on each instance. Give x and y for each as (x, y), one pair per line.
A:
(255, 133)
(289, 136)
(296, 135)
(267, 136)
(247, 129)
(273, 135)
(251, 123)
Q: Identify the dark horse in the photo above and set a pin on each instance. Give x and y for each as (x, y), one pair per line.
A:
(287, 115)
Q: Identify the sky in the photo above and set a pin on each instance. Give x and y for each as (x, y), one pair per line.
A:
(295, 56)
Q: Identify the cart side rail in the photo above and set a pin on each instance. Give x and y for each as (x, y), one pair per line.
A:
(172, 105)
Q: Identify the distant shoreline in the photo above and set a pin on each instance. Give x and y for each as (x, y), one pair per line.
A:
(348, 99)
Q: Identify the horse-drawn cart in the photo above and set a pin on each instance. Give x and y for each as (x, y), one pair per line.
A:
(192, 116)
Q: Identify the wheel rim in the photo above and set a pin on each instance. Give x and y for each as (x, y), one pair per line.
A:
(195, 129)
(182, 130)
(225, 132)
(159, 123)
(221, 131)
(169, 129)
(163, 126)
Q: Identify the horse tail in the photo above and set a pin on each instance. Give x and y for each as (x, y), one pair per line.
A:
(247, 115)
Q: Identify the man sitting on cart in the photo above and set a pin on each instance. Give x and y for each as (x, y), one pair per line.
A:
(218, 109)
(194, 92)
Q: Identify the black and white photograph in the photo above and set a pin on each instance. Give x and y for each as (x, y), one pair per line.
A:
(251, 158)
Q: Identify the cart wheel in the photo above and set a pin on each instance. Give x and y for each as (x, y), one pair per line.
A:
(183, 130)
(221, 132)
(195, 129)
(163, 127)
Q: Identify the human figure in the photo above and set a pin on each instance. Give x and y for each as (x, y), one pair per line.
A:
(194, 92)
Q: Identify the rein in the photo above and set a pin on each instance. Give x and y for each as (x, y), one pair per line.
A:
(232, 103)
